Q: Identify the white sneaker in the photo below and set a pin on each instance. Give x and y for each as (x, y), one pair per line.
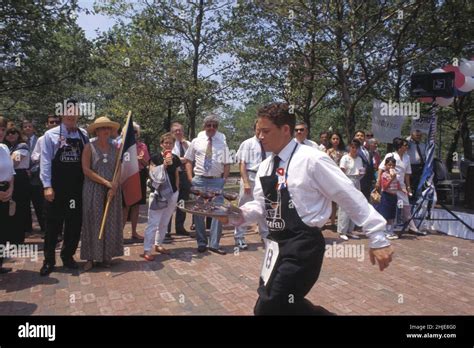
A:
(391, 236)
(344, 237)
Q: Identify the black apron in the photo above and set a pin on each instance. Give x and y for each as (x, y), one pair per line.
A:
(66, 180)
(67, 177)
(301, 252)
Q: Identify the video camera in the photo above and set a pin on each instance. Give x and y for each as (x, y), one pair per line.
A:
(432, 85)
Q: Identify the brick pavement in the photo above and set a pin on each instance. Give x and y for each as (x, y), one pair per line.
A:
(430, 275)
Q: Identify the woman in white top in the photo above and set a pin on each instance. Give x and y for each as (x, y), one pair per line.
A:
(20, 156)
(403, 171)
(351, 164)
(6, 190)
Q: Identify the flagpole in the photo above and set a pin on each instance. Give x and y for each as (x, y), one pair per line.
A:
(115, 177)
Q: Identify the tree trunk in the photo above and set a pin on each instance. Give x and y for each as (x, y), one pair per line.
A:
(194, 96)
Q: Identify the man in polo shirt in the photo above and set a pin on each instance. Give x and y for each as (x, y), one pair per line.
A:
(212, 167)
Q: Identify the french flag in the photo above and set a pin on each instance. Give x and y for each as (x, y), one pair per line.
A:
(130, 177)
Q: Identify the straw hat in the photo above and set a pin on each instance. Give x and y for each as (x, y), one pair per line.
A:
(102, 122)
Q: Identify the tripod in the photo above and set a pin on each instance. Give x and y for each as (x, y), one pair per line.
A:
(427, 214)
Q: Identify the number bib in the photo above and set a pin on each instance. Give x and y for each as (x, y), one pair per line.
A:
(271, 255)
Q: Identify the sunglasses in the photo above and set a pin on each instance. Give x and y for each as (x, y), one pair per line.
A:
(212, 125)
(369, 135)
(299, 130)
(53, 122)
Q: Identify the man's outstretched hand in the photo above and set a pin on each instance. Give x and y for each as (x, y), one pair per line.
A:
(382, 255)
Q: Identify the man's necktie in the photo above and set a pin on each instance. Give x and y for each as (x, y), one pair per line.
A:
(422, 161)
(181, 153)
(263, 154)
(208, 158)
(276, 164)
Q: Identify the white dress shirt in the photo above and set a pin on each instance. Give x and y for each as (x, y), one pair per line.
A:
(220, 155)
(314, 181)
(402, 167)
(36, 154)
(308, 142)
(6, 164)
(250, 152)
(413, 152)
(177, 151)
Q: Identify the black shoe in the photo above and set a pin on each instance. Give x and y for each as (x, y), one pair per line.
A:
(218, 251)
(202, 249)
(182, 232)
(71, 264)
(46, 269)
(4, 270)
(193, 227)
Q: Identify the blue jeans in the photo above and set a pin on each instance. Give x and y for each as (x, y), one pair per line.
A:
(216, 226)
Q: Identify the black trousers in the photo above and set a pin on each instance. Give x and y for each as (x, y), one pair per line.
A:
(9, 226)
(37, 198)
(21, 196)
(184, 191)
(295, 272)
(67, 210)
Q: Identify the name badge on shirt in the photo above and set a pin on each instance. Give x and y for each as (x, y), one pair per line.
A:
(271, 254)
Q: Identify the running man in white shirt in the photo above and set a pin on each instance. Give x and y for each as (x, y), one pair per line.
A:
(293, 190)
(251, 153)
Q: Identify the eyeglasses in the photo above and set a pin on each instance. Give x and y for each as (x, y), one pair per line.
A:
(369, 135)
(299, 130)
(212, 125)
(53, 122)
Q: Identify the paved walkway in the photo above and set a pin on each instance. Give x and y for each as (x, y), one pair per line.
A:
(432, 275)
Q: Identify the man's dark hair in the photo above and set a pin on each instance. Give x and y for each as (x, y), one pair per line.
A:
(3, 122)
(355, 142)
(359, 131)
(398, 143)
(323, 132)
(278, 114)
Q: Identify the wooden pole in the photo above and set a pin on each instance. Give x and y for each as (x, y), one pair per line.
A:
(115, 177)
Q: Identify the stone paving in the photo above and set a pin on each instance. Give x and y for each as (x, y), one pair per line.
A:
(431, 275)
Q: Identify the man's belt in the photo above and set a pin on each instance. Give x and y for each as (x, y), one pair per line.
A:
(211, 177)
(251, 171)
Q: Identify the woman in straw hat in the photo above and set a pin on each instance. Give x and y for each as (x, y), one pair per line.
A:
(98, 163)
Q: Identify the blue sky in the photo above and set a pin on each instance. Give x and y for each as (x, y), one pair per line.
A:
(90, 23)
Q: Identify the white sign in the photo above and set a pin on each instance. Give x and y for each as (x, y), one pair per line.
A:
(422, 124)
(271, 255)
(385, 127)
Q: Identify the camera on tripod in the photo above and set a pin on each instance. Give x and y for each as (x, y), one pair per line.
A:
(432, 85)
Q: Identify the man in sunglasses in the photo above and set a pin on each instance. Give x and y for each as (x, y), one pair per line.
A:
(301, 134)
(212, 167)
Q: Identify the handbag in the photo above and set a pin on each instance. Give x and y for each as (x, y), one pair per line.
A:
(162, 194)
(375, 197)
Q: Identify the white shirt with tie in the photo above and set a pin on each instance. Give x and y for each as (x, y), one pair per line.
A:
(250, 152)
(314, 181)
(220, 155)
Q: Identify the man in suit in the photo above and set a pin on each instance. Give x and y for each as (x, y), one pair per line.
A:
(367, 181)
